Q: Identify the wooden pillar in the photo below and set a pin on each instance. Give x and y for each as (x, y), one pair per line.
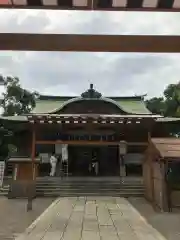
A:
(33, 152)
(150, 158)
(152, 154)
(149, 136)
(31, 186)
(122, 153)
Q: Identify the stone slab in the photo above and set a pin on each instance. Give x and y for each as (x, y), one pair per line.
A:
(87, 219)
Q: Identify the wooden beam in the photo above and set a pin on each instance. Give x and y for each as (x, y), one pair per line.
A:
(77, 142)
(91, 6)
(89, 43)
(80, 142)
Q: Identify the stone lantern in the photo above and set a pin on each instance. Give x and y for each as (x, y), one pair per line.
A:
(122, 148)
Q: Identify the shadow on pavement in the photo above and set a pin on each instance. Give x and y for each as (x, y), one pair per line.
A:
(168, 224)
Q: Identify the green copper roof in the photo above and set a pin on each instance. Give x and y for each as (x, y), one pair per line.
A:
(168, 119)
(50, 104)
(131, 105)
(14, 118)
(47, 106)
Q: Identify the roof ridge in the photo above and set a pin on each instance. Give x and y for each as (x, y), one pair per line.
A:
(51, 97)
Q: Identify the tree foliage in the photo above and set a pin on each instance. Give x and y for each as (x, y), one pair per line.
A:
(4, 139)
(169, 104)
(156, 105)
(16, 100)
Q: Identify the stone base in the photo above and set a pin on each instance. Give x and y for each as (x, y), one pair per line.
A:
(22, 189)
(123, 171)
(175, 198)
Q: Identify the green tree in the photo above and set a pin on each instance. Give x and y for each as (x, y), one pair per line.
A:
(16, 100)
(4, 139)
(172, 96)
(169, 104)
(156, 105)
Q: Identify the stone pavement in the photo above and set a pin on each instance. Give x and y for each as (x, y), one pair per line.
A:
(91, 218)
(14, 218)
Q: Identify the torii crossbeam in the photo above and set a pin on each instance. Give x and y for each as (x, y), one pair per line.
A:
(89, 43)
(118, 5)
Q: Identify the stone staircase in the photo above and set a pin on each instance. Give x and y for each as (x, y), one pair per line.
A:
(89, 186)
(7, 237)
(86, 186)
(4, 191)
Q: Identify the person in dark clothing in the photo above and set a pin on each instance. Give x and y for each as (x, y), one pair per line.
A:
(95, 166)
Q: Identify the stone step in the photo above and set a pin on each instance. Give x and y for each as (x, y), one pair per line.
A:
(97, 187)
(89, 187)
(3, 194)
(87, 190)
(66, 180)
(105, 188)
(87, 181)
(6, 188)
(5, 237)
(75, 194)
(54, 187)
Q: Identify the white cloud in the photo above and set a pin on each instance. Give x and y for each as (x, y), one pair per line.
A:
(70, 73)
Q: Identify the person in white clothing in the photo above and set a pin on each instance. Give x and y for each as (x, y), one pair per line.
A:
(53, 162)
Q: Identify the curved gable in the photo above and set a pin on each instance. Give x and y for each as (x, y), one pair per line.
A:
(84, 106)
(91, 101)
(47, 106)
(129, 105)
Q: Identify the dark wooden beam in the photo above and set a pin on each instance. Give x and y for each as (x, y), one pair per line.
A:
(89, 43)
(81, 142)
(91, 7)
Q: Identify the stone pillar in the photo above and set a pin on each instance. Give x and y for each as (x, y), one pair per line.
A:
(122, 166)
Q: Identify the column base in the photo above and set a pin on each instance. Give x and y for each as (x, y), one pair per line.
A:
(123, 171)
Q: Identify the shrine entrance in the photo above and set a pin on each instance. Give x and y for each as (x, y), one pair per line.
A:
(83, 160)
(94, 160)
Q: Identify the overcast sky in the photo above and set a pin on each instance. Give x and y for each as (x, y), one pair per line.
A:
(70, 73)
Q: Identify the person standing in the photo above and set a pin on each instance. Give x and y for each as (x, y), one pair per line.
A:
(95, 165)
(53, 162)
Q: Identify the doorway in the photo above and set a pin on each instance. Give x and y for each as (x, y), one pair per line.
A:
(83, 159)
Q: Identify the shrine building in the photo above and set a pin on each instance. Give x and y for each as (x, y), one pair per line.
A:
(90, 125)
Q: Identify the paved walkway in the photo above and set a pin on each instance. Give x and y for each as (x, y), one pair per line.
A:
(97, 218)
(14, 218)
